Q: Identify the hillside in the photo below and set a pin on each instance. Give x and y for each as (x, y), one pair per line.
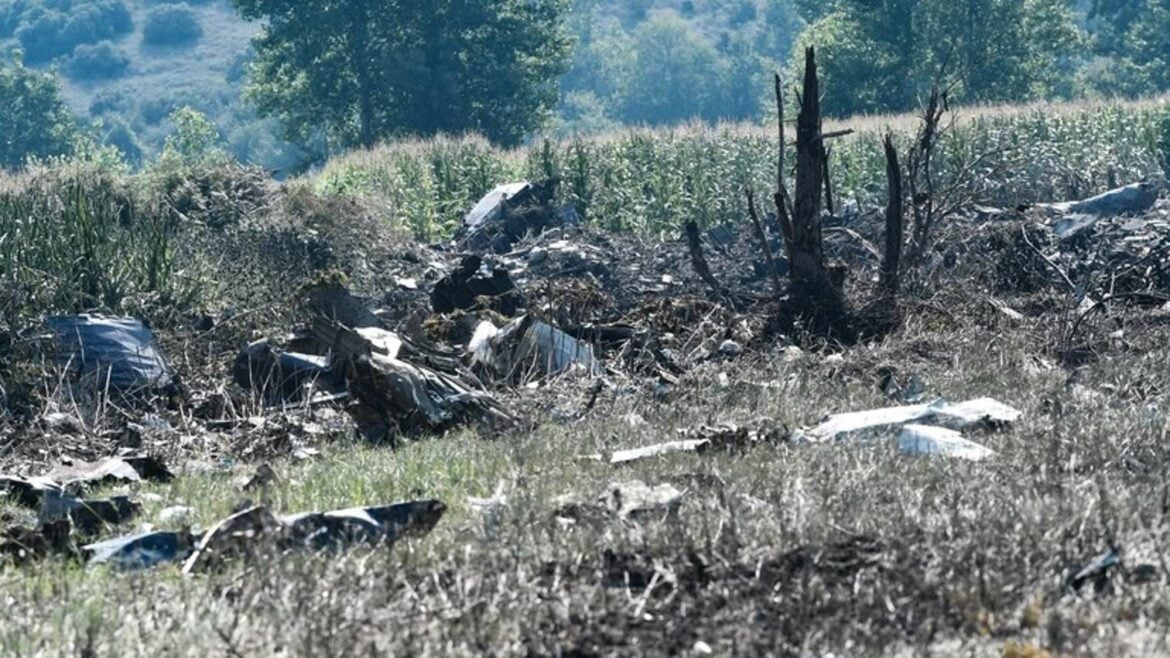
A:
(207, 72)
(133, 99)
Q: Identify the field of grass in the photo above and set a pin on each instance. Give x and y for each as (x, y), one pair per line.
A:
(776, 549)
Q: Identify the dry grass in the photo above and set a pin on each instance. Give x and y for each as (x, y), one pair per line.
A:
(781, 550)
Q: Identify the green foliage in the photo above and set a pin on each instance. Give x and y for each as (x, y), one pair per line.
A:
(110, 102)
(666, 64)
(50, 29)
(93, 247)
(883, 57)
(172, 25)
(120, 135)
(195, 140)
(34, 121)
(674, 73)
(653, 181)
(96, 62)
(360, 73)
(859, 75)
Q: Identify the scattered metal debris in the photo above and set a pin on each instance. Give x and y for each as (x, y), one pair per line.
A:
(107, 471)
(1128, 200)
(1097, 571)
(78, 476)
(364, 525)
(940, 441)
(118, 352)
(395, 397)
(141, 551)
(864, 424)
(658, 450)
(475, 284)
(284, 375)
(238, 536)
(509, 212)
(526, 348)
(634, 498)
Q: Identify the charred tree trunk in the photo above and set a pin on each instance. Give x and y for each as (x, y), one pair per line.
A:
(819, 298)
(762, 236)
(816, 296)
(894, 223)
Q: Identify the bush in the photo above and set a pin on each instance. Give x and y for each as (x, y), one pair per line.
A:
(100, 61)
(48, 33)
(154, 110)
(172, 25)
(119, 135)
(35, 121)
(108, 101)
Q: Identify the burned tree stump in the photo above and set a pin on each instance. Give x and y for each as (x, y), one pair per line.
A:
(818, 296)
(894, 225)
(816, 290)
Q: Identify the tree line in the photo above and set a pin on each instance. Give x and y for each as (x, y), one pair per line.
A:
(338, 74)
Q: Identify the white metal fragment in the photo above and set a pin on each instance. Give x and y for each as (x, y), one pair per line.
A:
(930, 440)
(863, 424)
(635, 454)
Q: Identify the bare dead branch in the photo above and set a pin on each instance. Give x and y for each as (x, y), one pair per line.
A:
(762, 236)
(699, 262)
(834, 135)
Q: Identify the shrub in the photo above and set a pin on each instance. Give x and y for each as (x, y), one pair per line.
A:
(154, 110)
(34, 120)
(122, 137)
(46, 33)
(172, 25)
(109, 101)
(100, 61)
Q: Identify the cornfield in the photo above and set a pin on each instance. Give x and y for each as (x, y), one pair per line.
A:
(76, 238)
(652, 181)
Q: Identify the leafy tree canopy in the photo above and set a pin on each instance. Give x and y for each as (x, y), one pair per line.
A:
(881, 56)
(361, 70)
(34, 121)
